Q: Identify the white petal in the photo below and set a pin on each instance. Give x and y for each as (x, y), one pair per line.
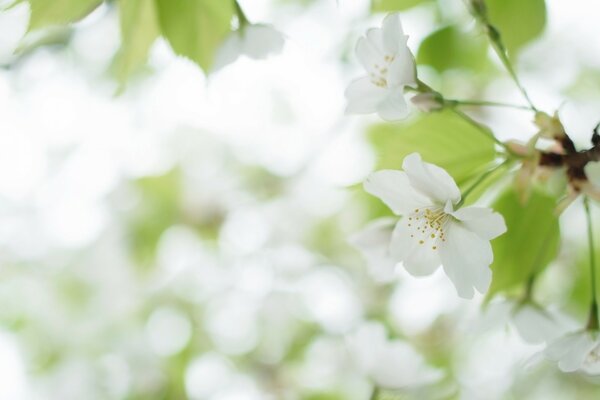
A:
(261, 41)
(394, 189)
(228, 52)
(366, 344)
(368, 55)
(375, 38)
(393, 107)
(592, 171)
(363, 97)
(374, 243)
(400, 366)
(402, 70)
(571, 350)
(419, 259)
(393, 35)
(481, 220)
(430, 179)
(466, 259)
(535, 325)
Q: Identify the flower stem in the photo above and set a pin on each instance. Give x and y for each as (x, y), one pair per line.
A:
(593, 318)
(478, 182)
(480, 127)
(484, 103)
(375, 393)
(243, 20)
(479, 11)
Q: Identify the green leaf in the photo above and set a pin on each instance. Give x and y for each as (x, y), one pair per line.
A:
(195, 28)
(395, 5)
(519, 21)
(530, 243)
(441, 138)
(451, 48)
(59, 12)
(139, 30)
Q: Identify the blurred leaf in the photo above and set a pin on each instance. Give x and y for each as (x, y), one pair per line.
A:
(451, 48)
(530, 243)
(395, 5)
(441, 138)
(158, 210)
(195, 28)
(139, 30)
(519, 21)
(59, 12)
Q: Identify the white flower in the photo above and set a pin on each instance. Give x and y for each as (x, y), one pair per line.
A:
(576, 351)
(390, 66)
(390, 364)
(432, 231)
(256, 41)
(374, 244)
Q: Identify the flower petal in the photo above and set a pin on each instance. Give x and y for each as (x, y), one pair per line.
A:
(431, 180)
(368, 55)
(402, 69)
(363, 96)
(481, 220)
(374, 243)
(228, 52)
(418, 257)
(466, 258)
(393, 36)
(394, 189)
(535, 325)
(261, 41)
(366, 344)
(393, 107)
(571, 350)
(400, 366)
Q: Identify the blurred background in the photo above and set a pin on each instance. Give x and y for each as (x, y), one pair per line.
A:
(186, 237)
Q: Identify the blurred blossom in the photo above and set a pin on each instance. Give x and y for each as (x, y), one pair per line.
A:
(330, 300)
(257, 41)
(391, 364)
(168, 331)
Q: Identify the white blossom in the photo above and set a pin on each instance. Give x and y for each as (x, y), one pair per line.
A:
(390, 65)
(373, 242)
(256, 41)
(390, 364)
(434, 230)
(576, 351)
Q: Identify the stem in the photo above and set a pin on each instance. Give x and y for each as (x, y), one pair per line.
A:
(593, 318)
(528, 296)
(503, 55)
(478, 182)
(241, 15)
(484, 103)
(481, 128)
(375, 393)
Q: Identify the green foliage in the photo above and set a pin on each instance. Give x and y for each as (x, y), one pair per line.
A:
(139, 30)
(58, 12)
(159, 209)
(530, 243)
(451, 48)
(195, 28)
(395, 5)
(441, 138)
(519, 21)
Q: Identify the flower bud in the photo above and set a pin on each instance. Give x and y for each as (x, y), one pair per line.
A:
(428, 101)
(550, 126)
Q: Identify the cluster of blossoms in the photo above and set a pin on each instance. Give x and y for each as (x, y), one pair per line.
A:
(435, 228)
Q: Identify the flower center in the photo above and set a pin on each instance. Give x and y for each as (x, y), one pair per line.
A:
(593, 356)
(427, 225)
(379, 76)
